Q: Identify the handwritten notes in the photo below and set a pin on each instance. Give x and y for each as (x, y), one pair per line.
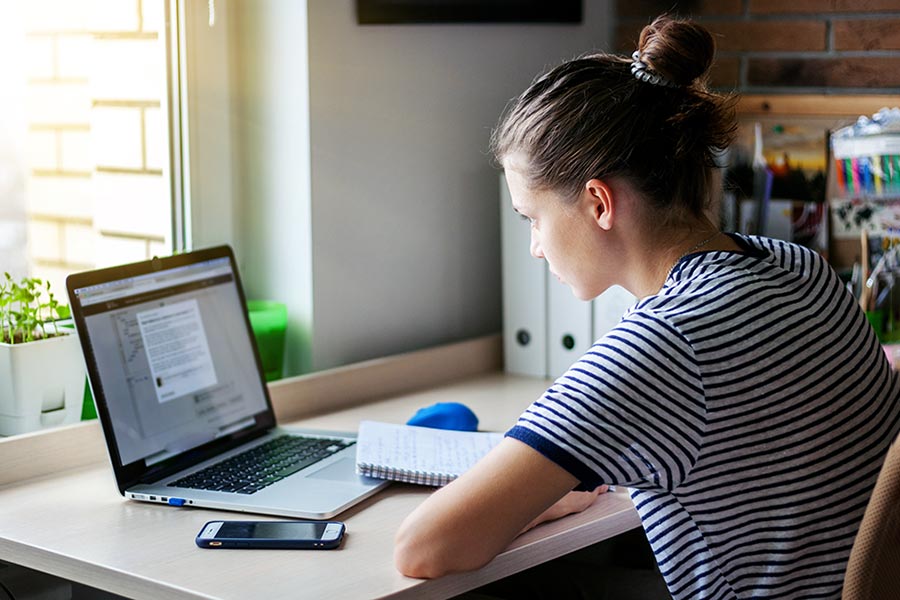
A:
(419, 454)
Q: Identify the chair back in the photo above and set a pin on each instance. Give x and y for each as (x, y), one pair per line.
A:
(873, 572)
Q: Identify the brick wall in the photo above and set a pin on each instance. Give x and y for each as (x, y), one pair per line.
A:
(96, 134)
(788, 46)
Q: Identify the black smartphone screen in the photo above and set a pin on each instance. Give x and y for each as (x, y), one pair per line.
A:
(275, 530)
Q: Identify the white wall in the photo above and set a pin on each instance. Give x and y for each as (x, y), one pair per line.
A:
(270, 153)
(405, 249)
(211, 105)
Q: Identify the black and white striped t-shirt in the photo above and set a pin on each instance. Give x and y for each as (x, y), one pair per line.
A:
(749, 406)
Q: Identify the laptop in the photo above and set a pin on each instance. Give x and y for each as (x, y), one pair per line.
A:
(180, 394)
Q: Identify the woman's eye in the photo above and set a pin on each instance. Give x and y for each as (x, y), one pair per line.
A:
(529, 219)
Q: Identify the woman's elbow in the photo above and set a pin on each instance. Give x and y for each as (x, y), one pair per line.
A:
(413, 558)
(413, 564)
(415, 555)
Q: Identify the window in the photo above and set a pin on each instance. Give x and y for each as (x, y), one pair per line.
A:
(84, 143)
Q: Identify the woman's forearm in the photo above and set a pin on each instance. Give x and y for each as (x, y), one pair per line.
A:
(465, 524)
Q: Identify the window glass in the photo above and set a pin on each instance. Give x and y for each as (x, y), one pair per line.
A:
(84, 151)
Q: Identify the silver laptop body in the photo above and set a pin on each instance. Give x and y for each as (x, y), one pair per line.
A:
(180, 394)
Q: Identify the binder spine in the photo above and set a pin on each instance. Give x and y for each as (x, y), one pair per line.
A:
(569, 328)
(524, 295)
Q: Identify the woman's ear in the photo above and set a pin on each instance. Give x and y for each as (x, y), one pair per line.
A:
(600, 200)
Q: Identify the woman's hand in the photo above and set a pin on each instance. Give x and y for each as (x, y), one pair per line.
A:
(573, 502)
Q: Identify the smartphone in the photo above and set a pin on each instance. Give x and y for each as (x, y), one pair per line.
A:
(317, 535)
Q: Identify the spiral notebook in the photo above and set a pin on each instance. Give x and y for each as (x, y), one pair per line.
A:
(419, 455)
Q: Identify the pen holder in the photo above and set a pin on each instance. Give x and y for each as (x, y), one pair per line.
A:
(867, 166)
(269, 323)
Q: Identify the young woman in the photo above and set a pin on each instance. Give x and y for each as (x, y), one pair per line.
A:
(743, 398)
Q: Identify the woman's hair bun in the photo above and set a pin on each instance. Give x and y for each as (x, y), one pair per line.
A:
(679, 50)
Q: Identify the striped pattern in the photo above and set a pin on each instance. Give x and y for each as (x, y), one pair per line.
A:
(749, 406)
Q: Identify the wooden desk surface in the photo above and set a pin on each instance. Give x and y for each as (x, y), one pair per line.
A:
(74, 524)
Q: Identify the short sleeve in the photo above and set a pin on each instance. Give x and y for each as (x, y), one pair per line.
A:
(630, 412)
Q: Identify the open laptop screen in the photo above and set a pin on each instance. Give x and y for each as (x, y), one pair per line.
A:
(174, 358)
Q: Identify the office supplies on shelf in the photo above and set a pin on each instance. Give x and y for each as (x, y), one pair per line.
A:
(867, 156)
(762, 183)
(864, 261)
(419, 455)
(524, 295)
(873, 280)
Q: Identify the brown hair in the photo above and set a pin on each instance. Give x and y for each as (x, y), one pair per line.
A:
(592, 118)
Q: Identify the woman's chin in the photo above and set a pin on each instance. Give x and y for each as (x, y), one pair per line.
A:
(582, 294)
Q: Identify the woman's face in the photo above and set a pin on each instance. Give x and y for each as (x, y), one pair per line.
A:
(563, 233)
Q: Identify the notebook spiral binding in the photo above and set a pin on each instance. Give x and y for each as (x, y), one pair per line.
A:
(405, 475)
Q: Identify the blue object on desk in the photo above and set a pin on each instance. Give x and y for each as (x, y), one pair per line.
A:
(445, 415)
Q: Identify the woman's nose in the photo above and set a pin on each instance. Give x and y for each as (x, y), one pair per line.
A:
(536, 248)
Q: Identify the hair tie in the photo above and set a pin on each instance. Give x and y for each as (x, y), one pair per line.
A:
(643, 72)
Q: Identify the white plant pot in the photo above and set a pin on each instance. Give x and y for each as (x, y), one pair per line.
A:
(41, 384)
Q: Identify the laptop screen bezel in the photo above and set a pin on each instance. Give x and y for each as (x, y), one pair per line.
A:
(137, 472)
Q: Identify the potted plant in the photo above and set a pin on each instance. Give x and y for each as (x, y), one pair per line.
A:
(41, 369)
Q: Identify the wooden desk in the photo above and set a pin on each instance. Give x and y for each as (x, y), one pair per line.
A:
(70, 521)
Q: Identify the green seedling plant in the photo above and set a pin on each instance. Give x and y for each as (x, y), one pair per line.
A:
(27, 308)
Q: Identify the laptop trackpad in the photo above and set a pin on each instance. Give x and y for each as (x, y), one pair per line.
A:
(342, 470)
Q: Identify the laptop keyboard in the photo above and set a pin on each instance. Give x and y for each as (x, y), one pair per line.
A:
(260, 467)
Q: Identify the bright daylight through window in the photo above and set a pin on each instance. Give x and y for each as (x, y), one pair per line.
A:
(84, 150)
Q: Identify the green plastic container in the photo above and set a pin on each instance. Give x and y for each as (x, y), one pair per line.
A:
(88, 409)
(891, 330)
(269, 323)
(876, 320)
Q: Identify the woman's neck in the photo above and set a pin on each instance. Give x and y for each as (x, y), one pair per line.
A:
(658, 252)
